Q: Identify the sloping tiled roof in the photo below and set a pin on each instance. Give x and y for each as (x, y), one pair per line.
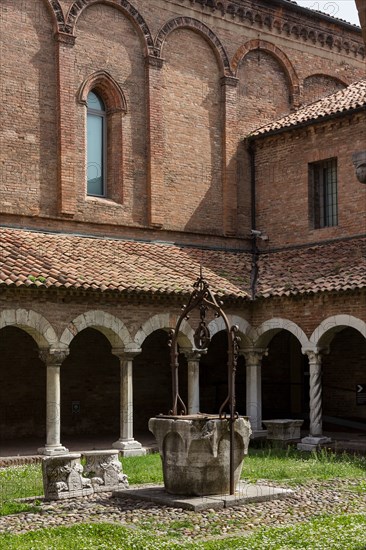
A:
(328, 267)
(30, 259)
(35, 259)
(352, 97)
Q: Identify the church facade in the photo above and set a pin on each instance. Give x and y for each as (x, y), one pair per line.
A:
(141, 143)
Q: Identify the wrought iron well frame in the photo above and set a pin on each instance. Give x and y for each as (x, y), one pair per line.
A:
(203, 299)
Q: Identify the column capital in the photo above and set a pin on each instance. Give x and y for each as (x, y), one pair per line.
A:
(229, 81)
(124, 354)
(253, 356)
(153, 61)
(53, 357)
(314, 356)
(65, 38)
(193, 354)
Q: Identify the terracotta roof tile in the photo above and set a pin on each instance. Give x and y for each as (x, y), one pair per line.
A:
(352, 97)
(101, 264)
(29, 258)
(333, 266)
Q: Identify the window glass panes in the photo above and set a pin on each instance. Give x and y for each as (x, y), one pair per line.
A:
(95, 145)
(324, 193)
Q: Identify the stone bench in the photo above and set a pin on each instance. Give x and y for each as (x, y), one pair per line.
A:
(283, 429)
(65, 477)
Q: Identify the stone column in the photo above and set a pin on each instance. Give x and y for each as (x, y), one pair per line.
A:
(126, 442)
(193, 359)
(315, 439)
(316, 417)
(253, 360)
(53, 360)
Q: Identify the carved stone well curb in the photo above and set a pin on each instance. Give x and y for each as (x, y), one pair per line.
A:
(195, 452)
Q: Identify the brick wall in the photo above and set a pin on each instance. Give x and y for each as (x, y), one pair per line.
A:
(282, 181)
(28, 135)
(273, 62)
(192, 115)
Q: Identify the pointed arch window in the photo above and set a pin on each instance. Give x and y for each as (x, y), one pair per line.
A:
(96, 145)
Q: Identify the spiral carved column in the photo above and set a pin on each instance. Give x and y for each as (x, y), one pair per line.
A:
(316, 422)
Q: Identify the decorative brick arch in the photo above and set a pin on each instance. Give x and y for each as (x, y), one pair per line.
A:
(109, 89)
(325, 332)
(57, 15)
(264, 334)
(112, 328)
(132, 13)
(31, 322)
(165, 321)
(279, 55)
(330, 76)
(203, 30)
(217, 325)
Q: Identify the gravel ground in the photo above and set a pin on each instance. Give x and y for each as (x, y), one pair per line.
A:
(331, 497)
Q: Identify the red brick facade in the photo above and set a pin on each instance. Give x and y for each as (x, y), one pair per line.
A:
(184, 83)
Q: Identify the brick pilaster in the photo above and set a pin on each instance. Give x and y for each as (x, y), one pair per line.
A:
(230, 144)
(156, 143)
(66, 123)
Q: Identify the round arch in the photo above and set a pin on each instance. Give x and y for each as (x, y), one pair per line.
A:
(263, 335)
(31, 322)
(57, 15)
(325, 332)
(217, 325)
(203, 30)
(112, 328)
(131, 12)
(165, 321)
(330, 76)
(279, 55)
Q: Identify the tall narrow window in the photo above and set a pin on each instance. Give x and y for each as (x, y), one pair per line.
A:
(96, 146)
(323, 193)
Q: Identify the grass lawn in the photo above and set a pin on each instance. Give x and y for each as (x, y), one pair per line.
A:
(290, 468)
(327, 532)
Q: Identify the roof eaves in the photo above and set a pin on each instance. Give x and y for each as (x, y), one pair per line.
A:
(309, 122)
(320, 14)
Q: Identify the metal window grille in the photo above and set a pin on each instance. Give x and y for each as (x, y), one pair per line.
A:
(325, 199)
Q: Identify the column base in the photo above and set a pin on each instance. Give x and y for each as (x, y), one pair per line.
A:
(313, 442)
(129, 447)
(53, 450)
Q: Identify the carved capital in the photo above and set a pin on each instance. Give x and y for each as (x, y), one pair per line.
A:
(126, 354)
(53, 357)
(193, 355)
(359, 161)
(314, 356)
(253, 356)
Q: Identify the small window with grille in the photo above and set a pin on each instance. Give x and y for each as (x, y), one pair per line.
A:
(323, 199)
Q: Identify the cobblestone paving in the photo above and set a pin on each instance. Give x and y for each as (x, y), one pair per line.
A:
(331, 497)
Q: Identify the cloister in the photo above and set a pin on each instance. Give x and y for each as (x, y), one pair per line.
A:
(98, 375)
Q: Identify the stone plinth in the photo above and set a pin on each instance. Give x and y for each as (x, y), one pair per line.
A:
(312, 443)
(283, 429)
(62, 477)
(104, 470)
(195, 452)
